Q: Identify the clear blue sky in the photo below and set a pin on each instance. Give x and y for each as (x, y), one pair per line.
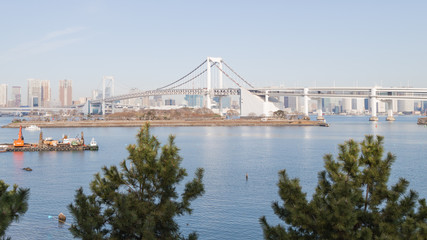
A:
(147, 44)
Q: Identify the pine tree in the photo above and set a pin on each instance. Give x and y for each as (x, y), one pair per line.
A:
(139, 201)
(351, 201)
(13, 204)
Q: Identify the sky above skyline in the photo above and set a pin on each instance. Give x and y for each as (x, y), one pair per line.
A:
(148, 44)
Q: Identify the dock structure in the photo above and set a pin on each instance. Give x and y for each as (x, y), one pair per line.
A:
(48, 144)
(36, 148)
(50, 148)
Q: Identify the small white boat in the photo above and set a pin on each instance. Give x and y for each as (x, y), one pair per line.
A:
(32, 128)
(93, 145)
(3, 149)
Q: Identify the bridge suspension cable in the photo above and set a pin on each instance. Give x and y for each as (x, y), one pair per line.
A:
(228, 76)
(170, 84)
(191, 79)
(237, 75)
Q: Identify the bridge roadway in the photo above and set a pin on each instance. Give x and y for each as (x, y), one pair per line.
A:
(346, 92)
(374, 94)
(195, 91)
(315, 92)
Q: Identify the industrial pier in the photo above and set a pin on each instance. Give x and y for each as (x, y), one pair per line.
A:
(48, 144)
(36, 148)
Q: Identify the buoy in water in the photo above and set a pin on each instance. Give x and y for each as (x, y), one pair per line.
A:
(61, 217)
(246, 176)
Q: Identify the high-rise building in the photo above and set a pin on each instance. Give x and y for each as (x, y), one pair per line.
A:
(34, 93)
(3, 95)
(45, 93)
(157, 101)
(38, 93)
(16, 96)
(346, 105)
(293, 103)
(326, 105)
(65, 92)
(381, 108)
(132, 101)
(170, 102)
(405, 106)
(96, 94)
(358, 105)
(194, 100)
(146, 101)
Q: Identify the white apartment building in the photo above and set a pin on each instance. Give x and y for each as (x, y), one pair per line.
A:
(34, 93)
(3, 95)
(39, 93)
(16, 96)
(66, 92)
(405, 106)
(346, 105)
(45, 93)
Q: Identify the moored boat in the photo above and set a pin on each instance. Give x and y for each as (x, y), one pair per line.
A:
(93, 145)
(32, 128)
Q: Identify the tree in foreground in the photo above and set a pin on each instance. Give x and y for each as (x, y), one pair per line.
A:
(13, 204)
(140, 200)
(351, 201)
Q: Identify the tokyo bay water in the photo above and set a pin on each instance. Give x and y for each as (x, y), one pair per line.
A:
(231, 206)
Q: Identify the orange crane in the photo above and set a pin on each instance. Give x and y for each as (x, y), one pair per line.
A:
(20, 141)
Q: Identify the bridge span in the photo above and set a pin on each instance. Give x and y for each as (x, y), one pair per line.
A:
(209, 82)
(374, 94)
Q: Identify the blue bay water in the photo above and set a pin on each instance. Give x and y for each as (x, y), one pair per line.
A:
(231, 206)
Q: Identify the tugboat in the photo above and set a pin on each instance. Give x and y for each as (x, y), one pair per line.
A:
(93, 145)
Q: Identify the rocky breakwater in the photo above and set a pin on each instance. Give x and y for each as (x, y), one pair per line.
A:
(422, 121)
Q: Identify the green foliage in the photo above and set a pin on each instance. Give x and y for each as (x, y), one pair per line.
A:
(280, 114)
(13, 204)
(351, 201)
(139, 201)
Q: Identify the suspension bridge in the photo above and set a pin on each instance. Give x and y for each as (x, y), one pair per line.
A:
(207, 80)
(214, 79)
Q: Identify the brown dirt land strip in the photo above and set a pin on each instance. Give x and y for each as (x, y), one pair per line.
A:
(164, 123)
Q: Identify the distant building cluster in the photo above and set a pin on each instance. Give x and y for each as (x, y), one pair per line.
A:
(39, 94)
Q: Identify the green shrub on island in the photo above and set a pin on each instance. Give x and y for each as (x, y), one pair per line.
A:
(351, 201)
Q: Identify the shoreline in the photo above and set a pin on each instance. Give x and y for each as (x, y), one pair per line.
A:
(165, 123)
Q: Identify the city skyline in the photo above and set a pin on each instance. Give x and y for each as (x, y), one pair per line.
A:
(146, 44)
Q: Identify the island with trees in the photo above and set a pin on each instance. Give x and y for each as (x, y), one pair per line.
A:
(169, 118)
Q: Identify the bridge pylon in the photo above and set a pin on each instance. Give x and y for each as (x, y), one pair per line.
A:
(107, 91)
(373, 102)
(210, 61)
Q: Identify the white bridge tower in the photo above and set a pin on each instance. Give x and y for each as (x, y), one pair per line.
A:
(210, 62)
(107, 91)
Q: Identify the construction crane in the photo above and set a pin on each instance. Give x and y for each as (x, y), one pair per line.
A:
(20, 141)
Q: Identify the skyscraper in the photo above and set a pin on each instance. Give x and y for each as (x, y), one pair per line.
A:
(16, 96)
(34, 93)
(3, 95)
(65, 92)
(45, 93)
(346, 105)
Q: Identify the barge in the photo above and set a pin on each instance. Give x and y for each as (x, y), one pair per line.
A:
(48, 144)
